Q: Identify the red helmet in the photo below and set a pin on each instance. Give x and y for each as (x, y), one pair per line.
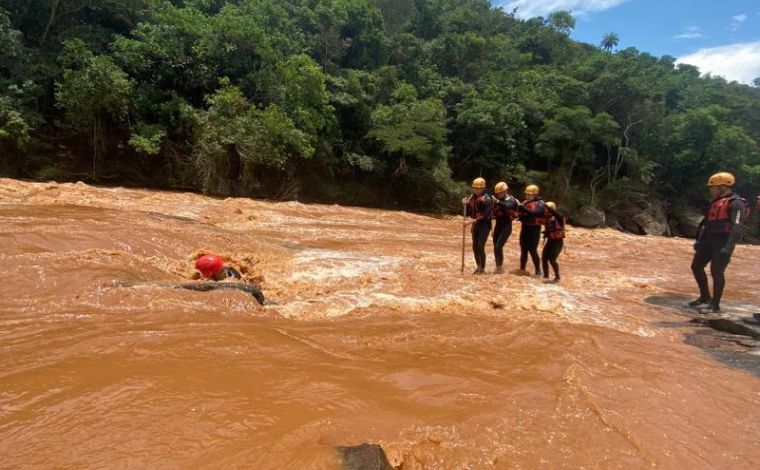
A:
(209, 265)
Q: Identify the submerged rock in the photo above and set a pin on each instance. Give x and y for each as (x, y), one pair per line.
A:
(364, 457)
(734, 325)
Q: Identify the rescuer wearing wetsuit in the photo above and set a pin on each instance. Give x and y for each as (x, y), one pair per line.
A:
(717, 235)
(554, 233)
(531, 216)
(478, 208)
(504, 212)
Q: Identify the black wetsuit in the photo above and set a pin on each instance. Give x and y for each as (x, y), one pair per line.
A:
(716, 239)
(555, 241)
(479, 208)
(231, 272)
(530, 233)
(504, 211)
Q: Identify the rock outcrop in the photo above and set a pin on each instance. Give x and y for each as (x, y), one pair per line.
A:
(590, 217)
(364, 457)
(688, 222)
(651, 221)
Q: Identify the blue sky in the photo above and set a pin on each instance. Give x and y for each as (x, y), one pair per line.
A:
(721, 37)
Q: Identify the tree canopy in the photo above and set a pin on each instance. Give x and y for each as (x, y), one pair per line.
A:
(394, 103)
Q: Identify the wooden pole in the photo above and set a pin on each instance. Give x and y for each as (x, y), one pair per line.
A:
(464, 231)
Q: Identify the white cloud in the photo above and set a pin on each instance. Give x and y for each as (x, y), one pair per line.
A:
(740, 62)
(692, 32)
(532, 8)
(737, 22)
(689, 35)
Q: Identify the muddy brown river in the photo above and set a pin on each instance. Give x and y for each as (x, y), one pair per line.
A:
(376, 337)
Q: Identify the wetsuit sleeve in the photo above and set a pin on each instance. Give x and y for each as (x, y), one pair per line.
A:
(701, 229)
(468, 210)
(737, 213)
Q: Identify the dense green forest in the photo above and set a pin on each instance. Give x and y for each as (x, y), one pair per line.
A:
(392, 103)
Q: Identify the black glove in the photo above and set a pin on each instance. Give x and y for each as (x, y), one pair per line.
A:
(696, 246)
(726, 251)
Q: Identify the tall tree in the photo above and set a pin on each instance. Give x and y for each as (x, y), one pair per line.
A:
(609, 41)
(94, 92)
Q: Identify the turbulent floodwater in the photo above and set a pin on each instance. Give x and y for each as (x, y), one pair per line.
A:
(377, 338)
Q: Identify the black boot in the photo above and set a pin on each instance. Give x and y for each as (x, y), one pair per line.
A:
(711, 308)
(699, 301)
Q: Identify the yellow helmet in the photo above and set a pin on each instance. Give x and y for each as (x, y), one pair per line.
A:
(551, 206)
(721, 179)
(532, 190)
(500, 187)
(479, 183)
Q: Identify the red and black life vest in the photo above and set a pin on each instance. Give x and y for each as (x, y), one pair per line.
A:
(479, 208)
(500, 212)
(718, 218)
(555, 227)
(530, 219)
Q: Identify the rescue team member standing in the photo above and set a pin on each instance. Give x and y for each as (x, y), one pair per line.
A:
(717, 235)
(531, 213)
(504, 212)
(554, 233)
(478, 207)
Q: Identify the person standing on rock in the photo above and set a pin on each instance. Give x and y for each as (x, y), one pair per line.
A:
(478, 207)
(531, 217)
(717, 235)
(554, 233)
(504, 212)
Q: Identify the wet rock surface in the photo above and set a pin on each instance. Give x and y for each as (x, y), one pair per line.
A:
(734, 335)
(363, 457)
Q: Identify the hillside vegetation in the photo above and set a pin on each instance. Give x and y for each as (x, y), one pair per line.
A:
(392, 103)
